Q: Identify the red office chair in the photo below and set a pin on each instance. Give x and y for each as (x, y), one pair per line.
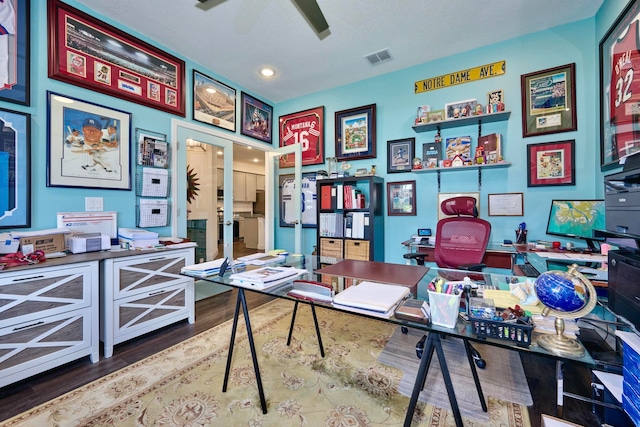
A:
(461, 242)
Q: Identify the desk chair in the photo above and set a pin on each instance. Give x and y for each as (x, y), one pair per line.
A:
(461, 241)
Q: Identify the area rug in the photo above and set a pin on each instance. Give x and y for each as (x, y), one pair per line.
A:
(503, 378)
(182, 386)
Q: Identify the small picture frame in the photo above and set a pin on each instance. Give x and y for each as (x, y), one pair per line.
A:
(356, 133)
(460, 109)
(551, 164)
(257, 118)
(400, 155)
(495, 101)
(401, 198)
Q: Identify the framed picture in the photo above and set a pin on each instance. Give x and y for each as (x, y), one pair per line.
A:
(506, 204)
(306, 128)
(86, 52)
(549, 101)
(400, 155)
(15, 169)
(445, 196)
(257, 119)
(495, 101)
(214, 102)
(309, 202)
(619, 101)
(15, 86)
(401, 198)
(459, 109)
(551, 163)
(88, 145)
(356, 133)
(153, 149)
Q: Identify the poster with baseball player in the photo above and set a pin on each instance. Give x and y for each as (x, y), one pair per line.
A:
(89, 145)
(305, 128)
(14, 51)
(620, 87)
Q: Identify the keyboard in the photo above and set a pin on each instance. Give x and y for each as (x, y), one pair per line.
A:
(528, 270)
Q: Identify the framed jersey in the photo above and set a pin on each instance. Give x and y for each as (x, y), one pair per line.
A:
(620, 88)
(308, 202)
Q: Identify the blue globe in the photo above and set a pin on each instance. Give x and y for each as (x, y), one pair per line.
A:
(561, 291)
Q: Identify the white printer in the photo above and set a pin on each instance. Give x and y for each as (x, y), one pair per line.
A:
(78, 243)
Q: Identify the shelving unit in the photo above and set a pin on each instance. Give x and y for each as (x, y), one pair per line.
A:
(333, 241)
(465, 121)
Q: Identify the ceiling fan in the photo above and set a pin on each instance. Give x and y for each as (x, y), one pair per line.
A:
(308, 8)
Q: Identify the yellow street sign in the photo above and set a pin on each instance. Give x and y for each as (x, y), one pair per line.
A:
(460, 77)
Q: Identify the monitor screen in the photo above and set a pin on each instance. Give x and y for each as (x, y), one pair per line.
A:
(576, 218)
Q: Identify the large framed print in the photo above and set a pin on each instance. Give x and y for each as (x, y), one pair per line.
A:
(400, 154)
(15, 45)
(308, 203)
(214, 102)
(84, 51)
(88, 145)
(257, 118)
(620, 88)
(549, 101)
(15, 172)
(356, 133)
(551, 163)
(306, 128)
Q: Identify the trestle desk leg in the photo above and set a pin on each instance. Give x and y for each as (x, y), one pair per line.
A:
(315, 321)
(474, 371)
(293, 321)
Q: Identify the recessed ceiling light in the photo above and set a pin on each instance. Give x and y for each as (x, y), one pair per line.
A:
(267, 72)
(249, 148)
(219, 153)
(210, 90)
(255, 160)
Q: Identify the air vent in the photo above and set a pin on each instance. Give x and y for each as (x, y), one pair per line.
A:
(379, 57)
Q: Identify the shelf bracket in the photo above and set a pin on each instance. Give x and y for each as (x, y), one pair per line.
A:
(479, 179)
(438, 172)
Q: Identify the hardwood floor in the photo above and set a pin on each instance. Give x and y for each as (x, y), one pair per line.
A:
(210, 312)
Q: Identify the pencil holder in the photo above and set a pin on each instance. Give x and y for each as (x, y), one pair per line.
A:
(444, 308)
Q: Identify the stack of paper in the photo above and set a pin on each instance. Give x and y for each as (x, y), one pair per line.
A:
(261, 259)
(376, 299)
(138, 238)
(546, 325)
(204, 269)
(266, 277)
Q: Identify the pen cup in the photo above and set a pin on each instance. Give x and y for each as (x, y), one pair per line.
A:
(444, 308)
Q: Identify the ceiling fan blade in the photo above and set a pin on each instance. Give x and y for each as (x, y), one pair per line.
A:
(311, 11)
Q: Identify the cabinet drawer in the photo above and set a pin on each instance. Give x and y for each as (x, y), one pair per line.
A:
(331, 248)
(43, 292)
(356, 249)
(32, 347)
(144, 312)
(136, 275)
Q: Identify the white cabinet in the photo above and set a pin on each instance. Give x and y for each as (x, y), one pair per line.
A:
(142, 293)
(48, 317)
(244, 187)
(260, 182)
(220, 178)
(250, 187)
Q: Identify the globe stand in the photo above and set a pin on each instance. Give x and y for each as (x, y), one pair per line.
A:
(559, 343)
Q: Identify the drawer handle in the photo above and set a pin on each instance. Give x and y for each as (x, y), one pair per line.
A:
(356, 243)
(156, 293)
(28, 326)
(27, 278)
(157, 259)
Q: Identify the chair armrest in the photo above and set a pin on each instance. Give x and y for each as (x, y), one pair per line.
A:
(418, 256)
(472, 267)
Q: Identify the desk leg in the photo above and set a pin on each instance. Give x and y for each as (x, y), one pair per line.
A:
(559, 387)
(474, 372)
(433, 343)
(241, 300)
(315, 321)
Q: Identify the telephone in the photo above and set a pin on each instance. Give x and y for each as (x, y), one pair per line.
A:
(422, 236)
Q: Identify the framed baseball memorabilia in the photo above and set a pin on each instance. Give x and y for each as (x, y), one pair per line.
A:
(619, 89)
(356, 133)
(257, 118)
(15, 169)
(400, 155)
(86, 52)
(309, 201)
(306, 128)
(401, 198)
(88, 145)
(14, 69)
(214, 102)
(549, 101)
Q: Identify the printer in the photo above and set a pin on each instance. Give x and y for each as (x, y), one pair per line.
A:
(622, 198)
(78, 243)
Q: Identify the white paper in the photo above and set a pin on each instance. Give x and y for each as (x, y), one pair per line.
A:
(153, 212)
(155, 182)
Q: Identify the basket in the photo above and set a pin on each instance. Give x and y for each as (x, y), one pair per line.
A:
(518, 333)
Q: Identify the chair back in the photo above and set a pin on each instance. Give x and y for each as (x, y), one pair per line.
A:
(461, 239)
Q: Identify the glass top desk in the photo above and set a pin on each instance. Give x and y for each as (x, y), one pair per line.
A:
(386, 273)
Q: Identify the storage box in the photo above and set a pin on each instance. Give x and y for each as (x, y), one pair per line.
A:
(356, 249)
(331, 248)
(444, 308)
(519, 333)
(48, 243)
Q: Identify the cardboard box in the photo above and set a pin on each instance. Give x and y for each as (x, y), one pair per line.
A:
(48, 243)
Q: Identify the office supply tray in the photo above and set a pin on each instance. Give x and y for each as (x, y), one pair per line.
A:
(519, 333)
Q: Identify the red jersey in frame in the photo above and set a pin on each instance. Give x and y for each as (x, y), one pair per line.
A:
(306, 128)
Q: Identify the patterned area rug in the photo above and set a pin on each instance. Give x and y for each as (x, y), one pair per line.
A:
(182, 386)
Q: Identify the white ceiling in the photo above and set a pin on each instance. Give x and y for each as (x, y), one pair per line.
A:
(234, 38)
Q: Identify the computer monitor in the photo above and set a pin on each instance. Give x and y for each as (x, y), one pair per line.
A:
(576, 219)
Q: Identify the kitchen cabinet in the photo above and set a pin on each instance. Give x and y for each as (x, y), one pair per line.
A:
(244, 187)
(260, 182)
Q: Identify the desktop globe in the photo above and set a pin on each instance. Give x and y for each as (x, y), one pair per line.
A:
(565, 295)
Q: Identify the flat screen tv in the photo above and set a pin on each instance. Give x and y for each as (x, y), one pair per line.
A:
(576, 219)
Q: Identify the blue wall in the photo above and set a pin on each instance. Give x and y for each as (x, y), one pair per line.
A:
(396, 108)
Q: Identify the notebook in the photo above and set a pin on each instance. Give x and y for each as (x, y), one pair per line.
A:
(378, 297)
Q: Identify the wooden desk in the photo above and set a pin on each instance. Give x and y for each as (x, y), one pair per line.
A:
(496, 256)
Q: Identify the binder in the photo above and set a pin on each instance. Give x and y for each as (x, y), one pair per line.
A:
(325, 197)
(340, 193)
(348, 225)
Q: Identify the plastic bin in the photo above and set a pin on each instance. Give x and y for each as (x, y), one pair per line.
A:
(444, 309)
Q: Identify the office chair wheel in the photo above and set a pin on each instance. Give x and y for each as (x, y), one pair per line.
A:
(480, 362)
(420, 346)
(404, 329)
